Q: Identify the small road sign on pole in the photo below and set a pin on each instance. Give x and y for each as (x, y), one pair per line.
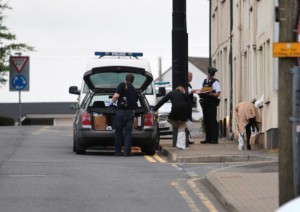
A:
(286, 49)
(19, 73)
(19, 62)
(19, 77)
(19, 82)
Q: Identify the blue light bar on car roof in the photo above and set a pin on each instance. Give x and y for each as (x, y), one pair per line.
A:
(130, 54)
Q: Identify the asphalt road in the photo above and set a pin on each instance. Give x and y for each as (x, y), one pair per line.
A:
(39, 172)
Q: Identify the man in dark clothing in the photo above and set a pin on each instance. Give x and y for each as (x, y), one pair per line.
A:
(209, 100)
(127, 98)
(180, 112)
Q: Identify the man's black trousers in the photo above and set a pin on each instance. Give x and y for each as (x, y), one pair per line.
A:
(211, 125)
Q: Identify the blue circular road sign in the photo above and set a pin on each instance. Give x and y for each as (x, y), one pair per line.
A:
(19, 82)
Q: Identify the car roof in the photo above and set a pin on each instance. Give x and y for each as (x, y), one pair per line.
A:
(118, 61)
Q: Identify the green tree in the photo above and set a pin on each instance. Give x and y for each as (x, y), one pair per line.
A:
(7, 44)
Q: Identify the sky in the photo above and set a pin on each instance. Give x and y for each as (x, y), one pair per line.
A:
(66, 33)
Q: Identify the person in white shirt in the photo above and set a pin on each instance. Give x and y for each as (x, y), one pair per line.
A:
(209, 100)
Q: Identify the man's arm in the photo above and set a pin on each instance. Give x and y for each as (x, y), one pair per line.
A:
(162, 101)
(114, 99)
(217, 88)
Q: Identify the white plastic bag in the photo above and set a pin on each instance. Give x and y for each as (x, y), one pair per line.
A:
(241, 142)
(189, 125)
(180, 140)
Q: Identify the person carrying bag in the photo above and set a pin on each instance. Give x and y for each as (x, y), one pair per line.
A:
(180, 113)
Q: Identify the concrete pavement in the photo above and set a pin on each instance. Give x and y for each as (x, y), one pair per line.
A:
(251, 187)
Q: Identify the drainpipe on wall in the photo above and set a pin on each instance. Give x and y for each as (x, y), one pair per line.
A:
(230, 69)
(159, 69)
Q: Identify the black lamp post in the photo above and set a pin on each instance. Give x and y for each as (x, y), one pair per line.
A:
(179, 44)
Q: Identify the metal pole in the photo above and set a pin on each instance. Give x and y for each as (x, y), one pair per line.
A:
(230, 68)
(209, 59)
(159, 69)
(179, 50)
(20, 104)
(20, 110)
(296, 128)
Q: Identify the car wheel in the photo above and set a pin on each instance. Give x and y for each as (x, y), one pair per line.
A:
(157, 140)
(149, 150)
(79, 149)
(74, 143)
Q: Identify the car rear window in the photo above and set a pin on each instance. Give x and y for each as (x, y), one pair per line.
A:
(112, 80)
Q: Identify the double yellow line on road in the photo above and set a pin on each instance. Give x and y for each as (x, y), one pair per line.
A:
(154, 159)
(178, 185)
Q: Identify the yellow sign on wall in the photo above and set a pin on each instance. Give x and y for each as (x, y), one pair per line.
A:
(286, 49)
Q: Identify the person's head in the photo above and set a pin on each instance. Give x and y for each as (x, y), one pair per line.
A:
(211, 71)
(129, 78)
(180, 89)
(190, 76)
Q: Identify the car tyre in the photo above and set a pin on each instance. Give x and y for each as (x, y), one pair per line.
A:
(79, 149)
(74, 143)
(149, 150)
(157, 140)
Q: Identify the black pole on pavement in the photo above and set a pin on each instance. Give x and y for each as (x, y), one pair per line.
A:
(209, 59)
(20, 102)
(179, 45)
(179, 49)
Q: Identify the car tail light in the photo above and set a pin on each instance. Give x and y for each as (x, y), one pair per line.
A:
(86, 119)
(148, 119)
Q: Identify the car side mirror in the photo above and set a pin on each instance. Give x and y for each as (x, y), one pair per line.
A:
(74, 90)
(161, 92)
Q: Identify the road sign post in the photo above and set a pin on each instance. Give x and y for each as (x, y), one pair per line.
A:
(19, 78)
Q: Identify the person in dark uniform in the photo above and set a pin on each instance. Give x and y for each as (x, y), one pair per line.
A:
(127, 98)
(180, 113)
(209, 100)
